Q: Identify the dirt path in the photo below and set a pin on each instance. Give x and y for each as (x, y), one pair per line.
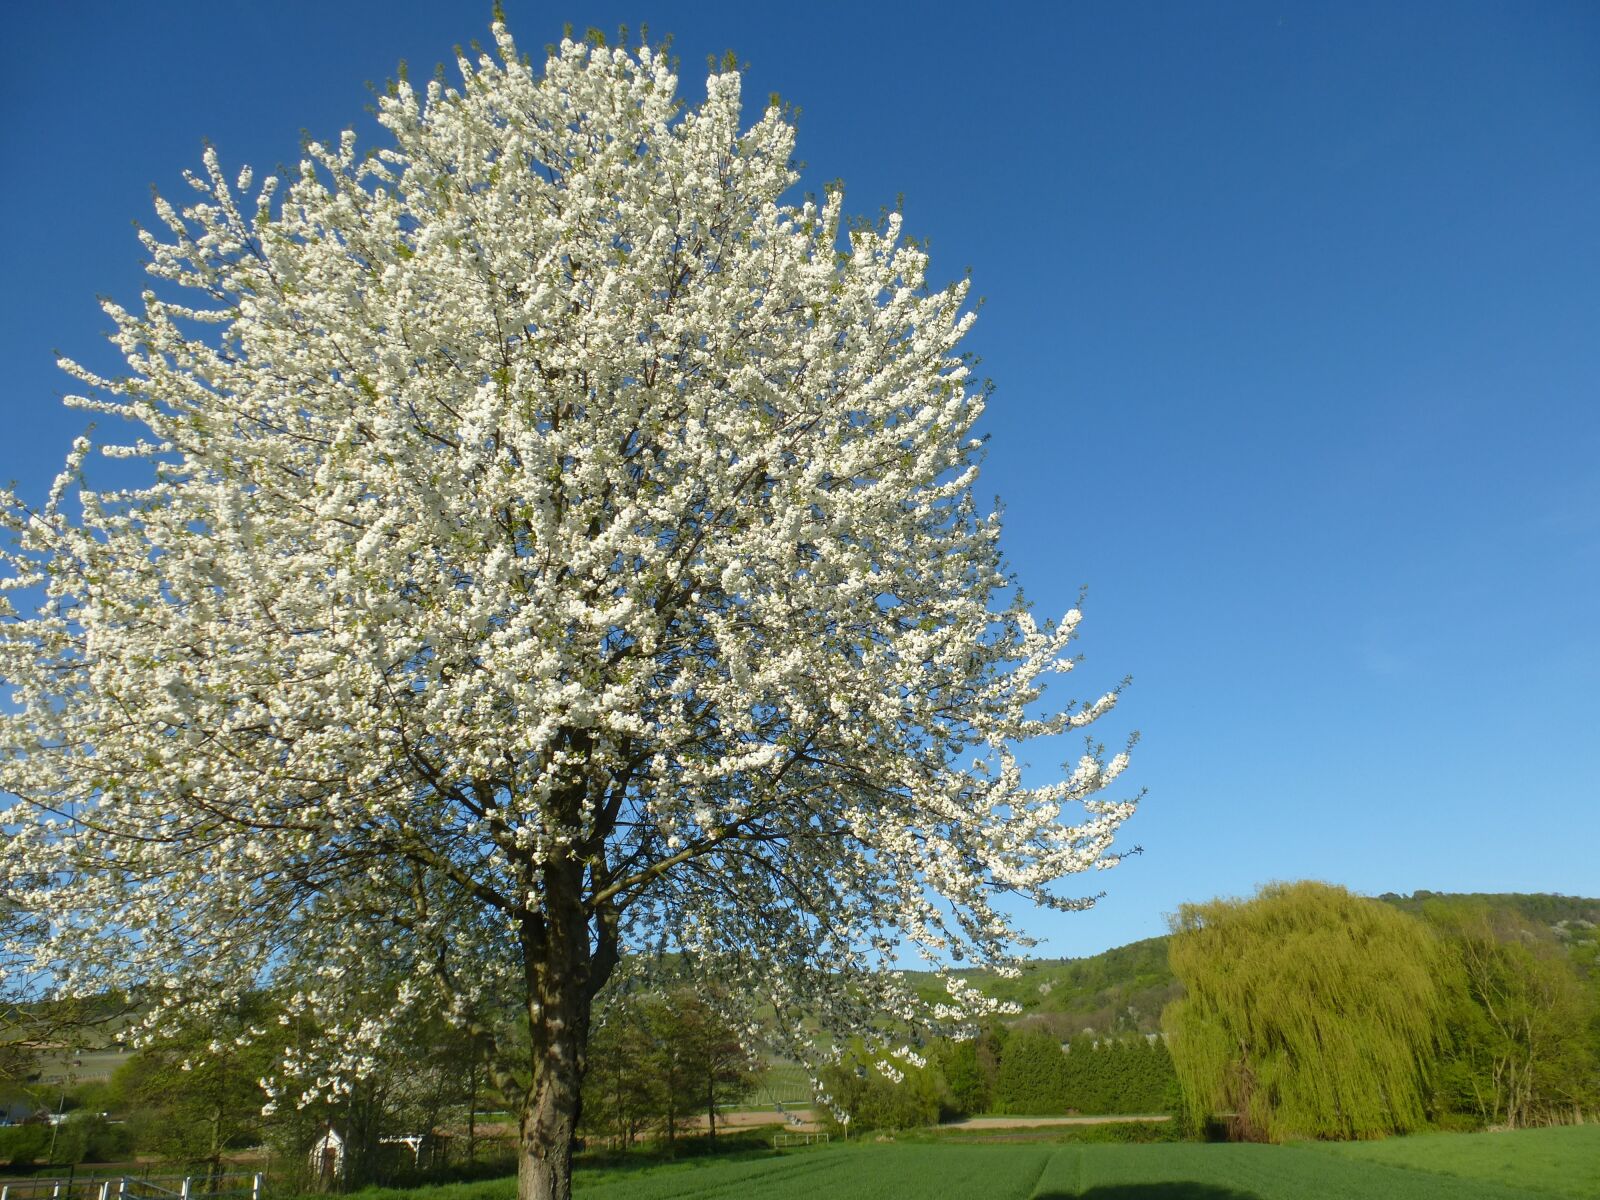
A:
(807, 1121)
(1035, 1122)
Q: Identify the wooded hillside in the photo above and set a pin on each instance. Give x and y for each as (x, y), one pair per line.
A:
(1123, 990)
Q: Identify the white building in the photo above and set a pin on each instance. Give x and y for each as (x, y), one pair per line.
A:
(327, 1156)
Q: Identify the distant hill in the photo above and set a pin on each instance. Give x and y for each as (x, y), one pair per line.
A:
(1536, 909)
(1120, 991)
(1124, 990)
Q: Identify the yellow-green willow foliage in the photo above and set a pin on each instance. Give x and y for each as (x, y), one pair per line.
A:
(1308, 1012)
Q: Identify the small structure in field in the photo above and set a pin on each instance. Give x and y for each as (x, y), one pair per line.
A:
(327, 1157)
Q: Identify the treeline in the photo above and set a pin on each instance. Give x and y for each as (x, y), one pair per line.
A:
(661, 1063)
(1538, 912)
(194, 1102)
(1027, 1071)
(1126, 989)
(1312, 1012)
(1121, 1076)
(1520, 1017)
(90, 1139)
(1304, 1012)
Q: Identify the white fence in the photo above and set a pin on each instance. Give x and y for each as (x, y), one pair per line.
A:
(133, 1187)
(779, 1141)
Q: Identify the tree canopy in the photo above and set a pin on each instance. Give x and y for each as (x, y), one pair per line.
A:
(552, 540)
(1308, 1012)
(1524, 1027)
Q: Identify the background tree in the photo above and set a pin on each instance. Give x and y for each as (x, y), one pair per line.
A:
(18, 1055)
(1308, 1012)
(35, 1025)
(971, 1088)
(622, 1090)
(1520, 1022)
(552, 540)
(861, 1092)
(711, 1064)
(673, 1065)
(1034, 1077)
(663, 1058)
(197, 1094)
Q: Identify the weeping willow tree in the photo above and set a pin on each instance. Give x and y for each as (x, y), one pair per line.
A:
(1308, 1012)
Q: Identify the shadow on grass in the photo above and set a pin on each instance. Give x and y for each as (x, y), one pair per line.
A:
(1175, 1190)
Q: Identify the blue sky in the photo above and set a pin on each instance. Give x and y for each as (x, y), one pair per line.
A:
(1293, 314)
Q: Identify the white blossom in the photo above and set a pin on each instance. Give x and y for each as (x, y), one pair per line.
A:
(546, 521)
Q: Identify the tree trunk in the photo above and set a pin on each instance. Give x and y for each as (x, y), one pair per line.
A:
(544, 1168)
(549, 1120)
(472, 1109)
(564, 971)
(672, 1115)
(214, 1159)
(711, 1101)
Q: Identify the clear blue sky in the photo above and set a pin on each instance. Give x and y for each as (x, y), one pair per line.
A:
(1293, 313)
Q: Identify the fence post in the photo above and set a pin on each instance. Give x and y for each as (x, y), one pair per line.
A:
(255, 1187)
(105, 1191)
(122, 1188)
(183, 1189)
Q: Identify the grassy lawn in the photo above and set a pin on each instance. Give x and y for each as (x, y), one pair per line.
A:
(1540, 1164)
(1168, 1172)
(847, 1173)
(1564, 1160)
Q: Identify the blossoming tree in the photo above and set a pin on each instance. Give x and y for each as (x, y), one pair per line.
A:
(552, 542)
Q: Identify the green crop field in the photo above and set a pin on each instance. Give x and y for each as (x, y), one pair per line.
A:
(1528, 1165)
(1564, 1160)
(1538, 1164)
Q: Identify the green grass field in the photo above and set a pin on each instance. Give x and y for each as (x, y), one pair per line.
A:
(1155, 1172)
(1564, 1161)
(1537, 1164)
